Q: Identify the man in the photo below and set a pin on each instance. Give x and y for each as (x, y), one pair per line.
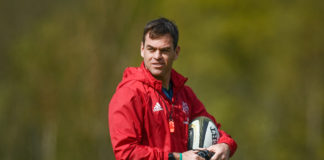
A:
(151, 109)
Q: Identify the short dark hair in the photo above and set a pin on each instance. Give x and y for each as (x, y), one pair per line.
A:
(160, 27)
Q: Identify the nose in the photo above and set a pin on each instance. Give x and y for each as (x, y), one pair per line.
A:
(157, 54)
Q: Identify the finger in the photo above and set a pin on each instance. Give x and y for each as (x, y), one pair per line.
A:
(224, 157)
(195, 151)
(216, 156)
(199, 149)
(212, 149)
(199, 158)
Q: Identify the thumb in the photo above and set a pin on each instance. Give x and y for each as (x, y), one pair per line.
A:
(216, 156)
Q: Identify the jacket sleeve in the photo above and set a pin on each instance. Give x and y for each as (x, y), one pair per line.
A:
(125, 118)
(198, 109)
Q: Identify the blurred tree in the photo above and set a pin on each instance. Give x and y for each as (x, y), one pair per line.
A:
(260, 63)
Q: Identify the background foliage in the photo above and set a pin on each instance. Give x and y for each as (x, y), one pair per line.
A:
(256, 65)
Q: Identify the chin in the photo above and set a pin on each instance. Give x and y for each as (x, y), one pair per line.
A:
(157, 74)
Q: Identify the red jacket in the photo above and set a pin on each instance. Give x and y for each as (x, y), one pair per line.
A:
(139, 116)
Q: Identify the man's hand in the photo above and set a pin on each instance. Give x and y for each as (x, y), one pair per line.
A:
(189, 155)
(221, 151)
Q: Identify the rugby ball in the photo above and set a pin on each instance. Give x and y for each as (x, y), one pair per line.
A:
(202, 133)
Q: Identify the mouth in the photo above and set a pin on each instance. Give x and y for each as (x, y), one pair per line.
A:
(157, 65)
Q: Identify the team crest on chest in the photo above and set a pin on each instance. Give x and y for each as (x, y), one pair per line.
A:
(185, 107)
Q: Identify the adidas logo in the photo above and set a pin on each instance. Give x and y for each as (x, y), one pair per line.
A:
(157, 107)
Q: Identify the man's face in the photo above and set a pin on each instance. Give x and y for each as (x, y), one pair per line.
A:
(159, 54)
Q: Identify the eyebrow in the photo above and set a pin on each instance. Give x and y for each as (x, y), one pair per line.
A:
(149, 46)
(165, 48)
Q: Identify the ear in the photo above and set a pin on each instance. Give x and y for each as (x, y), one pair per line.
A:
(177, 52)
(142, 49)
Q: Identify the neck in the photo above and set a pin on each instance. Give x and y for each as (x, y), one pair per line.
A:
(166, 81)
